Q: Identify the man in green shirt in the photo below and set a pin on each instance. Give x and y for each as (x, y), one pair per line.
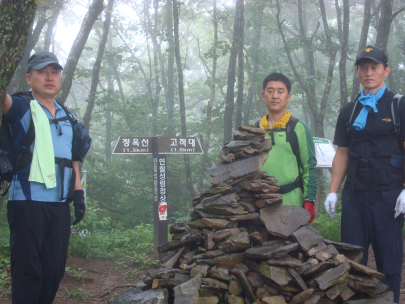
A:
(292, 158)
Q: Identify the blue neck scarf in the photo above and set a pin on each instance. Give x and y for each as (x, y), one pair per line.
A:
(368, 101)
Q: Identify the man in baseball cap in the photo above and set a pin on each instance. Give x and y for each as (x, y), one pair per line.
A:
(370, 155)
(43, 184)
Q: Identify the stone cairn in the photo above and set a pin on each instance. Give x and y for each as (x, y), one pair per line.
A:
(243, 246)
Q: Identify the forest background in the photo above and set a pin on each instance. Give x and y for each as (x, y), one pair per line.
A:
(185, 68)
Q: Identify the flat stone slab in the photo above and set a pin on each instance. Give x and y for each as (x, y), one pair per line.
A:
(136, 296)
(274, 300)
(343, 246)
(285, 261)
(212, 223)
(301, 297)
(283, 220)
(223, 172)
(187, 293)
(270, 252)
(244, 217)
(307, 237)
(366, 270)
(278, 275)
(333, 276)
(214, 283)
(228, 261)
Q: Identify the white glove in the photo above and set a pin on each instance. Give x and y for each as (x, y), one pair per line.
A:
(330, 204)
(400, 206)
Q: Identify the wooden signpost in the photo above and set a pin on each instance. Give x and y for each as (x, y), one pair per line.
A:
(159, 147)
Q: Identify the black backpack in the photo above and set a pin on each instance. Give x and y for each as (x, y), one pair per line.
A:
(394, 113)
(12, 160)
(291, 137)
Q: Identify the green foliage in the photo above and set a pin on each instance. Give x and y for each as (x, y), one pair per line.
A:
(95, 237)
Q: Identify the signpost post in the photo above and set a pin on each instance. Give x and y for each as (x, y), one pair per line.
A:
(325, 152)
(158, 146)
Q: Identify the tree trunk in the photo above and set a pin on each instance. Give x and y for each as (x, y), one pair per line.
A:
(362, 44)
(344, 43)
(13, 29)
(52, 24)
(170, 69)
(230, 104)
(189, 181)
(67, 77)
(239, 96)
(205, 159)
(108, 123)
(384, 25)
(97, 66)
(257, 27)
(18, 82)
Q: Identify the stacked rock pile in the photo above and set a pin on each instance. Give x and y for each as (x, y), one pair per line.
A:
(243, 246)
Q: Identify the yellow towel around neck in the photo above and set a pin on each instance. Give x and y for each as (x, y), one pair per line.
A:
(43, 158)
(264, 122)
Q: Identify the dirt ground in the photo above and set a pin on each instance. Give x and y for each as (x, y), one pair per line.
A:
(98, 276)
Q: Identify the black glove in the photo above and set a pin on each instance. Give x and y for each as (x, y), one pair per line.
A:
(78, 203)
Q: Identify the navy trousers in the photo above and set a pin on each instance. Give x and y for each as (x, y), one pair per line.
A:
(39, 239)
(365, 222)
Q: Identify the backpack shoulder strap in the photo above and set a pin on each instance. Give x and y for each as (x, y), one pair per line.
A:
(350, 121)
(291, 137)
(396, 117)
(68, 113)
(30, 136)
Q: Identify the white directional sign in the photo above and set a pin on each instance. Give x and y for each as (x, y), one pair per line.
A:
(165, 145)
(325, 152)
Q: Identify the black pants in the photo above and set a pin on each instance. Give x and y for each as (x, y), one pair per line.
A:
(39, 239)
(365, 223)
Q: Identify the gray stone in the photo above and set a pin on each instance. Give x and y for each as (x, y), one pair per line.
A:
(259, 186)
(232, 299)
(168, 246)
(136, 296)
(235, 288)
(209, 254)
(241, 135)
(210, 291)
(339, 259)
(223, 200)
(314, 299)
(307, 265)
(228, 261)
(247, 287)
(333, 292)
(297, 278)
(187, 293)
(245, 217)
(191, 238)
(256, 280)
(203, 269)
(220, 274)
(307, 237)
(333, 276)
(314, 250)
(241, 267)
(182, 277)
(170, 263)
(366, 270)
(278, 275)
(208, 300)
(212, 223)
(274, 300)
(268, 202)
(302, 297)
(323, 256)
(222, 172)
(347, 293)
(252, 129)
(167, 283)
(276, 250)
(220, 209)
(317, 269)
(178, 228)
(214, 283)
(235, 243)
(249, 206)
(283, 220)
(343, 246)
(285, 261)
(367, 285)
(332, 250)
